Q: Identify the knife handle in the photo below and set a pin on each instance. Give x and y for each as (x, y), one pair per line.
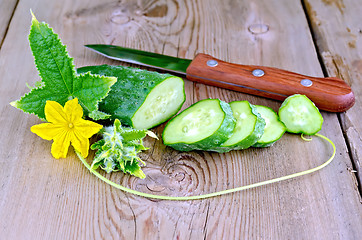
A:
(329, 94)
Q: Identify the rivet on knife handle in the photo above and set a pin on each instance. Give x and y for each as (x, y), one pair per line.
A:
(329, 94)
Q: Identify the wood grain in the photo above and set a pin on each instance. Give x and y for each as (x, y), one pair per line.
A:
(6, 12)
(59, 199)
(339, 42)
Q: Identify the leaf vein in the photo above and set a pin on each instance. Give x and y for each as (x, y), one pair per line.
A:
(56, 62)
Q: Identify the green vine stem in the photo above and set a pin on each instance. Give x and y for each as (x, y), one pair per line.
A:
(214, 194)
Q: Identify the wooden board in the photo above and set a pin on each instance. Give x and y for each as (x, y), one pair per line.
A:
(339, 40)
(6, 13)
(59, 199)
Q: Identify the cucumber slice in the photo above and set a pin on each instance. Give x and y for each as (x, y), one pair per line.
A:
(248, 129)
(160, 104)
(203, 126)
(300, 115)
(274, 128)
(141, 99)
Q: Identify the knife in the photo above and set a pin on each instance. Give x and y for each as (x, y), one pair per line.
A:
(330, 94)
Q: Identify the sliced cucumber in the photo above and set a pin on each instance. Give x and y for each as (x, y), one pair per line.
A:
(160, 104)
(300, 115)
(274, 128)
(248, 129)
(203, 126)
(141, 99)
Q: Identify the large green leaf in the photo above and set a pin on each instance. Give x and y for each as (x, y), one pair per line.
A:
(59, 81)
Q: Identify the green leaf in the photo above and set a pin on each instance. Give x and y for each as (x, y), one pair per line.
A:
(59, 81)
(134, 169)
(98, 115)
(37, 84)
(118, 149)
(133, 134)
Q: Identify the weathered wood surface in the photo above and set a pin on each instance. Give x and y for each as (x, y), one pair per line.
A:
(59, 199)
(339, 41)
(6, 12)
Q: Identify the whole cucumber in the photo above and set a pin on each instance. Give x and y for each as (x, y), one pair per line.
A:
(141, 99)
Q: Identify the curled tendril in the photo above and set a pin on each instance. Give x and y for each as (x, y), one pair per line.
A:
(304, 138)
(214, 194)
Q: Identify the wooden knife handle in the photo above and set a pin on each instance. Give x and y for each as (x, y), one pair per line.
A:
(329, 94)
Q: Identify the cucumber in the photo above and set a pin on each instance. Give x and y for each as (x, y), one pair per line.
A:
(203, 126)
(140, 99)
(248, 129)
(300, 115)
(274, 128)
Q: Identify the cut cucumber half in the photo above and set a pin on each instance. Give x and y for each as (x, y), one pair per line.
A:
(160, 104)
(203, 126)
(300, 115)
(248, 129)
(274, 128)
(140, 99)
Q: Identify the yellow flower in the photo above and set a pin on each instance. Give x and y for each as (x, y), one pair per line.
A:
(65, 126)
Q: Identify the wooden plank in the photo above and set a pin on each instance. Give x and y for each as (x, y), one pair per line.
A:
(339, 40)
(60, 199)
(6, 12)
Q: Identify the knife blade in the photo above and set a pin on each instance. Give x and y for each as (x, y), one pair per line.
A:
(329, 94)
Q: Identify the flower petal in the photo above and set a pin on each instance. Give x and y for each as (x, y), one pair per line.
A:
(54, 112)
(60, 145)
(73, 110)
(66, 126)
(87, 128)
(80, 143)
(47, 131)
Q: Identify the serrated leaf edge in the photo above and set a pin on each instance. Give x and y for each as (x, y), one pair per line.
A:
(16, 104)
(71, 60)
(112, 80)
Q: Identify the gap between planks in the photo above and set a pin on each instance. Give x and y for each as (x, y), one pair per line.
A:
(8, 23)
(339, 115)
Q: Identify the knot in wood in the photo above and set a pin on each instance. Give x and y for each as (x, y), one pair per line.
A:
(125, 13)
(120, 19)
(258, 28)
(155, 187)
